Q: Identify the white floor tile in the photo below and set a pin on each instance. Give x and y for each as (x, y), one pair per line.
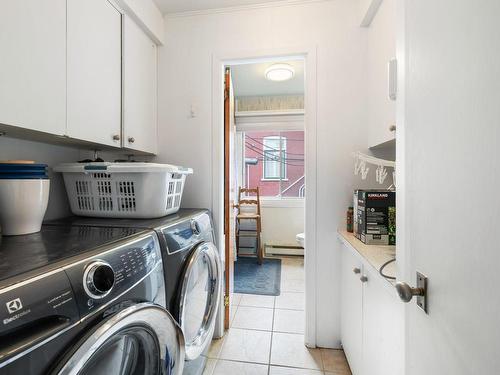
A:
(215, 348)
(232, 314)
(289, 350)
(292, 285)
(292, 272)
(254, 300)
(210, 366)
(292, 261)
(290, 300)
(290, 321)
(253, 318)
(240, 368)
(247, 346)
(275, 370)
(236, 298)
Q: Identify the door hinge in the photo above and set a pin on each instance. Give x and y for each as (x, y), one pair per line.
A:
(226, 301)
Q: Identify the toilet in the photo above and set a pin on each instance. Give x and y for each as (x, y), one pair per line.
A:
(301, 239)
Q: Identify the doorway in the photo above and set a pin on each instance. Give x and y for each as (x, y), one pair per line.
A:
(229, 57)
(264, 183)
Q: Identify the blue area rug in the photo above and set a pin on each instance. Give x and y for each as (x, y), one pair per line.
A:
(252, 278)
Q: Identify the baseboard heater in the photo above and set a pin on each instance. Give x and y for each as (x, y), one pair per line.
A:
(283, 249)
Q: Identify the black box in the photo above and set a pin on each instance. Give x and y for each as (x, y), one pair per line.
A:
(376, 217)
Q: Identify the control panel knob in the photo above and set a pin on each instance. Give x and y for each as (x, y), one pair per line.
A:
(195, 227)
(98, 279)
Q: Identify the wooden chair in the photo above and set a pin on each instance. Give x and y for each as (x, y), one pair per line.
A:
(247, 203)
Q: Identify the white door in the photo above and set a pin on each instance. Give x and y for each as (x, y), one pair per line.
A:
(448, 201)
(139, 89)
(33, 64)
(94, 72)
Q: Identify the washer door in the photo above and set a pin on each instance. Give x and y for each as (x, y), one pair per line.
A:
(142, 339)
(200, 293)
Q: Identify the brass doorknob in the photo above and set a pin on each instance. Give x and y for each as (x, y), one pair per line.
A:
(407, 292)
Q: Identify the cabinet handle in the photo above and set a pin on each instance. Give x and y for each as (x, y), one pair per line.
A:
(356, 270)
(116, 137)
(131, 139)
(363, 279)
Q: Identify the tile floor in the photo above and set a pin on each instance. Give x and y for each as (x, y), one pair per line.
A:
(266, 336)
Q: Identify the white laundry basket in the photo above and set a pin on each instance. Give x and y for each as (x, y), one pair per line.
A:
(124, 190)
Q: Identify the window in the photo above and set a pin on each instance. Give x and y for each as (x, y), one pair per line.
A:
(274, 151)
(274, 162)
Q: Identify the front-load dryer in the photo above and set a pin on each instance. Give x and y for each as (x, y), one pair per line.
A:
(193, 273)
(86, 300)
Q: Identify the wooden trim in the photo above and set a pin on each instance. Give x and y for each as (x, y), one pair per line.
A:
(227, 164)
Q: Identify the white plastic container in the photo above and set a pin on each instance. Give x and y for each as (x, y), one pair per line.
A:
(22, 205)
(124, 190)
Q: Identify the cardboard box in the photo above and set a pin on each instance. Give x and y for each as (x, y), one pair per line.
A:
(376, 217)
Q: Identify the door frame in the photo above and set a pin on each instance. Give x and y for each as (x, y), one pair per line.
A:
(230, 56)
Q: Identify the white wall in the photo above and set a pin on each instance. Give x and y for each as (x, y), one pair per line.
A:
(11, 148)
(185, 74)
(381, 48)
(147, 14)
(280, 225)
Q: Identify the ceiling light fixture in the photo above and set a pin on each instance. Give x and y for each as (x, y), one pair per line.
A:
(280, 72)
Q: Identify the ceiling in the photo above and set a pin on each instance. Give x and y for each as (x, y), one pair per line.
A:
(250, 80)
(175, 6)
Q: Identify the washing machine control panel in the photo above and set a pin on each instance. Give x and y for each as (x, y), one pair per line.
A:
(114, 272)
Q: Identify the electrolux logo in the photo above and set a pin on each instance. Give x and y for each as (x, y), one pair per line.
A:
(14, 305)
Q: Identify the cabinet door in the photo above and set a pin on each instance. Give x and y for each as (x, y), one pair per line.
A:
(139, 89)
(94, 71)
(33, 64)
(383, 339)
(351, 310)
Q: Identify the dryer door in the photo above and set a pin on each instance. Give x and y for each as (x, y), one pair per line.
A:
(200, 294)
(141, 339)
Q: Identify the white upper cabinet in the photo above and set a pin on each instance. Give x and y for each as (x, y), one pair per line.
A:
(33, 64)
(381, 110)
(94, 72)
(139, 89)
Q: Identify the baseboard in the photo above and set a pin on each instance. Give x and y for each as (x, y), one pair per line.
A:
(283, 250)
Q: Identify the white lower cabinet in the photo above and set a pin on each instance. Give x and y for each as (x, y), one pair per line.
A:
(372, 329)
(351, 311)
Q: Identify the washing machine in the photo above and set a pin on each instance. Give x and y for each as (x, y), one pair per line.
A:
(193, 273)
(86, 300)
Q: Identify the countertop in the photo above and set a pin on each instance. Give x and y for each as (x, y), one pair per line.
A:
(374, 255)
